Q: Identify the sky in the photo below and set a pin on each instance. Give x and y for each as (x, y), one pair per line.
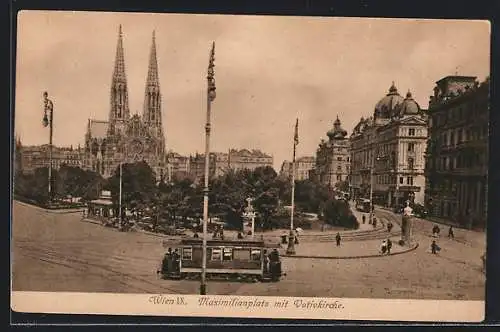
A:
(269, 71)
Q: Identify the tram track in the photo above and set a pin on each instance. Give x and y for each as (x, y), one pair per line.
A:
(51, 256)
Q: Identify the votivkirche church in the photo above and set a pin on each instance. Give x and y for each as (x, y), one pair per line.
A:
(125, 138)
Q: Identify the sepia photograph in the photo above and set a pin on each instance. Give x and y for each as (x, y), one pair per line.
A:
(250, 166)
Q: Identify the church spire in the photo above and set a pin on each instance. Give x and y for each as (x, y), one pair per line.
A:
(152, 79)
(119, 93)
(119, 71)
(152, 95)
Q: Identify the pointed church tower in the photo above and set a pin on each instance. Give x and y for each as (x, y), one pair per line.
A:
(119, 112)
(152, 96)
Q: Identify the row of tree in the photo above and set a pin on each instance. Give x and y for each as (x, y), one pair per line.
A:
(183, 198)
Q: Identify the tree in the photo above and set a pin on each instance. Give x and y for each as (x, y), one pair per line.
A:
(139, 189)
(338, 213)
(342, 186)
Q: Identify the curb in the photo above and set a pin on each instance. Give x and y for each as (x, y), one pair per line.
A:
(61, 211)
(352, 257)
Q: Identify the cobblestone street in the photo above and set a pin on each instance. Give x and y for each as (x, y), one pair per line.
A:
(59, 252)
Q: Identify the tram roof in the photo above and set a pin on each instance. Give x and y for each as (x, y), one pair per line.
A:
(225, 242)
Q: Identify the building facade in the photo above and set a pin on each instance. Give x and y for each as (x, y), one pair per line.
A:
(333, 157)
(221, 163)
(33, 157)
(304, 167)
(457, 151)
(126, 138)
(388, 151)
(178, 166)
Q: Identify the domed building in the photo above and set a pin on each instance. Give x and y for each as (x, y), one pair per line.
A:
(332, 157)
(387, 151)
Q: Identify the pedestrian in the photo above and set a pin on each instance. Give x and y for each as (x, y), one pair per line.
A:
(176, 260)
(451, 235)
(389, 226)
(374, 222)
(338, 239)
(389, 246)
(383, 247)
(434, 247)
(266, 261)
(435, 231)
(364, 218)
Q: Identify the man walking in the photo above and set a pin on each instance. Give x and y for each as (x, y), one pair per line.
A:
(338, 238)
(451, 235)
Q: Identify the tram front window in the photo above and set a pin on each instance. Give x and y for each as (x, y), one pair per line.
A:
(255, 254)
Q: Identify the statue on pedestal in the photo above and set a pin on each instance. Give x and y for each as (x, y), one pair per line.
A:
(406, 224)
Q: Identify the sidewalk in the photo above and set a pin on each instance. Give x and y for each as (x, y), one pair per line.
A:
(347, 250)
(72, 210)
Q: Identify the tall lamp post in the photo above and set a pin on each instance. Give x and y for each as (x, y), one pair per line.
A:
(48, 106)
(371, 189)
(210, 99)
(291, 238)
(120, 193)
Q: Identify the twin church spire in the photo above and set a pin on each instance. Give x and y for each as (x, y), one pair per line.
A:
(120, 112)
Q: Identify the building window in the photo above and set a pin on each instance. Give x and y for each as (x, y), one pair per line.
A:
(411, 164)
(409, 180)
(339, 158)
(347, 158)
(452, 138)
(401, 180)
(411, 132)
(339, 177)
(411, 147)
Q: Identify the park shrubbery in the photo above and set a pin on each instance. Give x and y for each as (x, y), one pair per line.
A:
(338, 213)
(182, 199)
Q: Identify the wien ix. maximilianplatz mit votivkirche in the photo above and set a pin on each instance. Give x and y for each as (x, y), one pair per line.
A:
(196, 154)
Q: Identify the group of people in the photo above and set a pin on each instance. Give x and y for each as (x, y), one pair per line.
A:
(386, 246)
(171, 262)
(272, 263)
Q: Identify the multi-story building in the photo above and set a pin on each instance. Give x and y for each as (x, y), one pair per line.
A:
(248, 159)
(303, 168)
(457, 152)
(177, 166)
(332, 157)
(220, 162)
(126, 138)
(33, 157)
(387, 151)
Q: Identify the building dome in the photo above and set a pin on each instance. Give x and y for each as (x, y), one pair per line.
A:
(337, 132)
(409, 106)
(385, 107)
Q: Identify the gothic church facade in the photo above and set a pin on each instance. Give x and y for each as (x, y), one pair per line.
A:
(125, 138)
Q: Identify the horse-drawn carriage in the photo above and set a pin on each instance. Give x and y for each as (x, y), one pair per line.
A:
(226, 259)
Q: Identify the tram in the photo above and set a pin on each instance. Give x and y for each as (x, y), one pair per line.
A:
(243, 260)
(363, 205)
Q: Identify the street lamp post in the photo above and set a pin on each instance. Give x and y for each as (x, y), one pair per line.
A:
(291, 238)
(48, 106)
(371, 190)
(210, 99)
(120, 197)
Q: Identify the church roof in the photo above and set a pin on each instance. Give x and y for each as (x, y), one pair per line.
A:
(98, 128)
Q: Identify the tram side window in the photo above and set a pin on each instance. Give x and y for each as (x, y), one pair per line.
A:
(255, 254)
(187, 253)
(241, 254)
(216, 254)
(227, 254)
